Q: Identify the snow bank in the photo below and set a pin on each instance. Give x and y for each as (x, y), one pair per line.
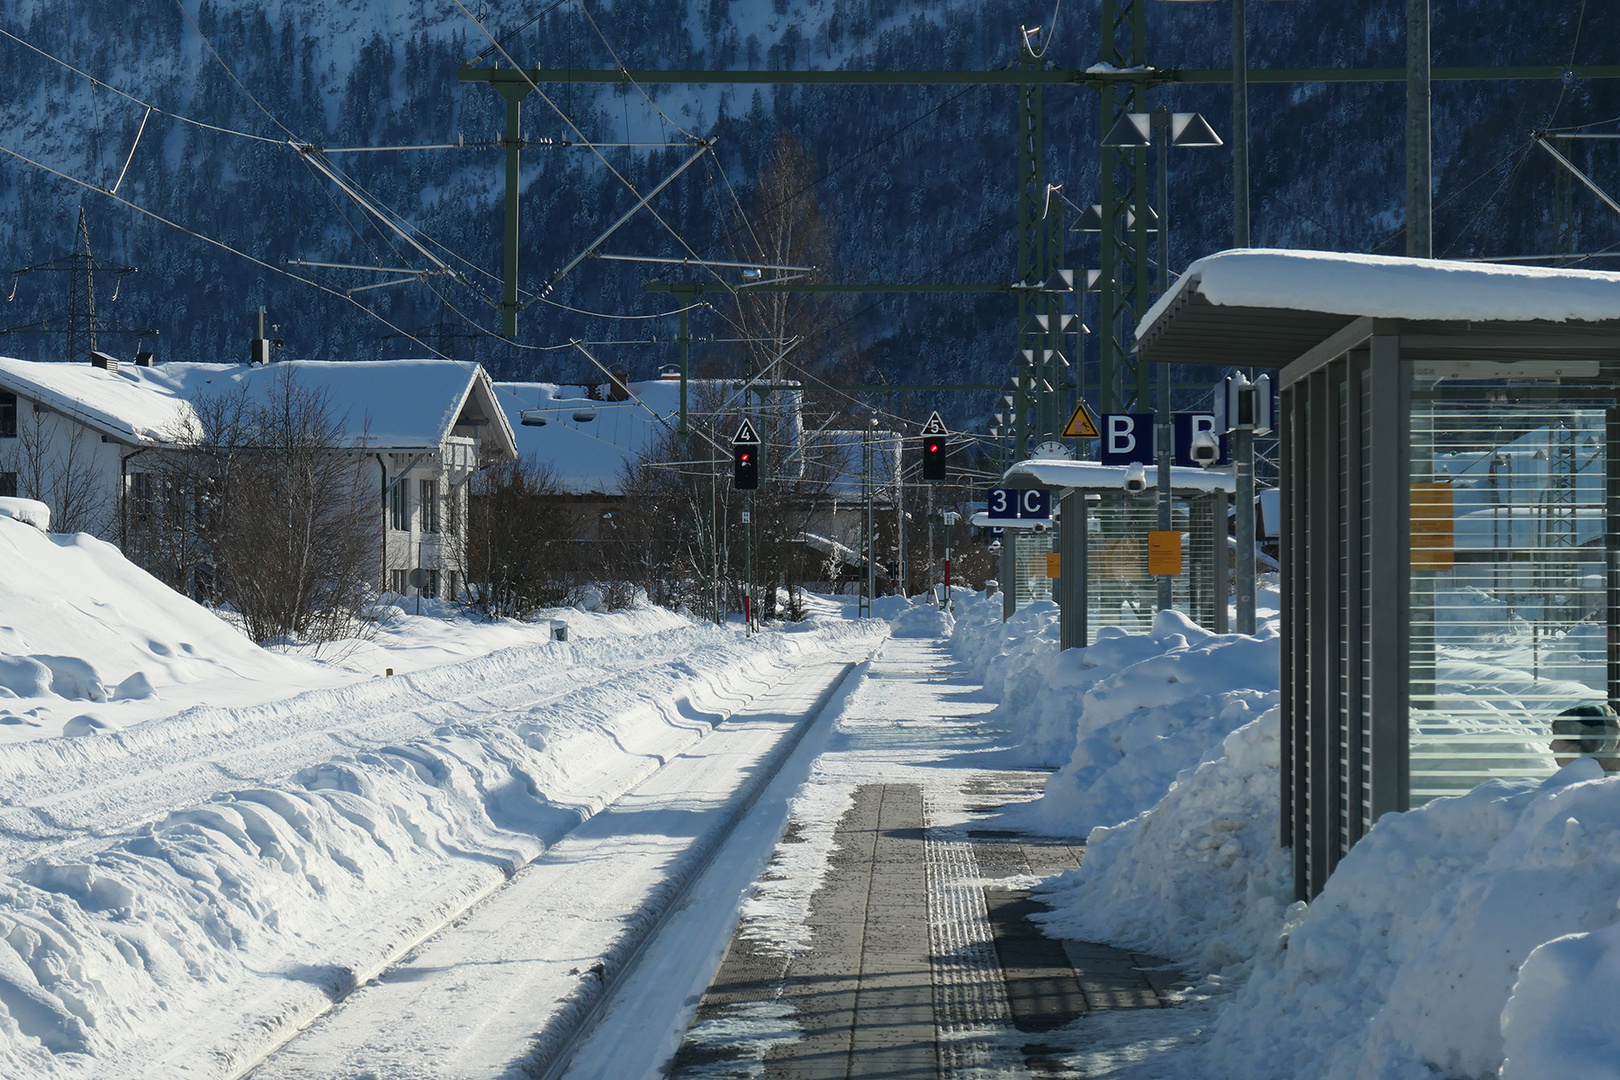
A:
(28, 511)
(1121, 717)
(1141, 709)
(78, 623)
(211, 932)
(1199, 877)
(1407, 963)
(921, 621)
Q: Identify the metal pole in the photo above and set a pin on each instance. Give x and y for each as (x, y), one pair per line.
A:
(513, 142)
(1243, 470)
(1419, 184)
(748, 562)
(685, 343)
(1240, 125)
(1162, 440)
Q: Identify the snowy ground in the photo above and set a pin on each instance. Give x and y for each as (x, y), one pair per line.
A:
(182, 887)
(1465, 939)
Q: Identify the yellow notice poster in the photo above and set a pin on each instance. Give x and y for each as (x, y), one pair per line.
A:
(1434, 527)
(1164, 552)
(1054, 563)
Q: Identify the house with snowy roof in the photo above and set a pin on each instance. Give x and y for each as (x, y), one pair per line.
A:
(82, 437)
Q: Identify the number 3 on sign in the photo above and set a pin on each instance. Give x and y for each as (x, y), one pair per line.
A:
(998, 503)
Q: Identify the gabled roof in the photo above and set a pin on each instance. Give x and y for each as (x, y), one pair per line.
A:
(385, 404)
(1265, 308)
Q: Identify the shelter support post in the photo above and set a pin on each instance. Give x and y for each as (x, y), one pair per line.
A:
(1243, 474)
(1009, 574)
(1072, 570)
(1611, 545)
(1389, 511)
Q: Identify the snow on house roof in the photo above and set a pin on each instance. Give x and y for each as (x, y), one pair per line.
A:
(1266, 302)
(588, 443)
(384, 404)
(117, 404)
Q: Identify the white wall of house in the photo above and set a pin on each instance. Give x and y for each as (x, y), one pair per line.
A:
(424, 516)
(61, 462)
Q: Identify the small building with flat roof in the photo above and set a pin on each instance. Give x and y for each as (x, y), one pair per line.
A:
(1449, 518)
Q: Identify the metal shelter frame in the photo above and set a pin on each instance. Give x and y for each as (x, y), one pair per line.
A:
(1354, 655)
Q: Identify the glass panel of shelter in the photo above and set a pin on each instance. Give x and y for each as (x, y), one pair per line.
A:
(1510, 596)
(1120, 592)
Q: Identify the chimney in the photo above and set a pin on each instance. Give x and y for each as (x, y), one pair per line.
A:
(104, 361)
(619, 386)
(261, 344)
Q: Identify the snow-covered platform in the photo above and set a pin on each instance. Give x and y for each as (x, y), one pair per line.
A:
(891, 935)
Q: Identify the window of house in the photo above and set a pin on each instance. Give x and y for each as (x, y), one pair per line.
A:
(8, 416)
(430, 506)
(431, 588)
(141, 491)
(397, 582)
(399, 511)
(8, 485)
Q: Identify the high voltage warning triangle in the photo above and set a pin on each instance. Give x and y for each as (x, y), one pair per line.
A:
(1081, 425)
(746, 435)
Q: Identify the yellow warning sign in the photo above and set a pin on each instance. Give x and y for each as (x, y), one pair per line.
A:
(1081, 425)
(1164, 552)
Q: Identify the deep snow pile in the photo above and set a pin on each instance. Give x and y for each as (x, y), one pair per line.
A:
(1468, 938)
(82, 626)
(1199, 877)
(1407, 963)
(222, 922)
(1122, 717)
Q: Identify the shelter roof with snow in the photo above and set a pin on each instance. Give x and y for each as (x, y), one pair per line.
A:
(1256, 308)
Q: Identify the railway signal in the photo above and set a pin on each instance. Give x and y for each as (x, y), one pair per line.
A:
(933, 462)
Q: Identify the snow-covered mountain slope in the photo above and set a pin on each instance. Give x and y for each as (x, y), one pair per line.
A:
(917, 183)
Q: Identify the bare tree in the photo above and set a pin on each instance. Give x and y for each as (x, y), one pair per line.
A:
(519, 556)
(60, 472)
(260, 503)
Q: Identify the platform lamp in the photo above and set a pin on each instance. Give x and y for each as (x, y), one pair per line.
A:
(1163, 129)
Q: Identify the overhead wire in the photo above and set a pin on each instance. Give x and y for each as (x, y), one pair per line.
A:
(131, 97)
(543, 96)
(222, 245)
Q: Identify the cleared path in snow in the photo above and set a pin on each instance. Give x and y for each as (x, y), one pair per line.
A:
(506, 989)
(917, 959)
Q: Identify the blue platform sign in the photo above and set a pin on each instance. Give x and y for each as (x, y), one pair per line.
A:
(1187, 426)
(1018, 504)
(1127, 439)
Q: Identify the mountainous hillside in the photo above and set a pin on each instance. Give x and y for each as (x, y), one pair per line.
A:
(913, 183)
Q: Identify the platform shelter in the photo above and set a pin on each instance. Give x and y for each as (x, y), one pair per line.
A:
(1105, 513)
(1450, 519)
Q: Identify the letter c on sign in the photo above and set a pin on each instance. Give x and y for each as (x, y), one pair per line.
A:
(1031, 498)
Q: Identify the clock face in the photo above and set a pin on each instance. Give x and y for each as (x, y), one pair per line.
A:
(1052, 450)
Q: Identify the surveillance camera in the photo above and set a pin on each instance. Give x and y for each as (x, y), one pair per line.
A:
(1206, 449)
(1135, 479)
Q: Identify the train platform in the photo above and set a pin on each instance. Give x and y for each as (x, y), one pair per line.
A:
(892, 933)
